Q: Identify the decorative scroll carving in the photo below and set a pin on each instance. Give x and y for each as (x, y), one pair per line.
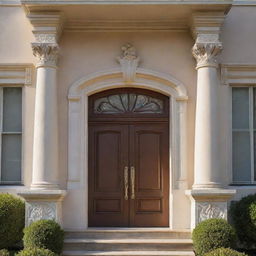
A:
(206, 53)
(39, 211)
(209, 210)
(47, 53)
(127, 103)
(129, 62)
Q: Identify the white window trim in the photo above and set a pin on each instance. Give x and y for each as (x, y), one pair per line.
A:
(238, 75)
(16, 75)
(11, 183)
(251, 130)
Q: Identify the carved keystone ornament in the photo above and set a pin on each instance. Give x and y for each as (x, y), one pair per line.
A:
(129, 62)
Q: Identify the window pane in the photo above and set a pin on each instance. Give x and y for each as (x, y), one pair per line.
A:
(11, 158)
(12, 112)
(254, 108)
(254, 134)
(240, 108)
(241, 157)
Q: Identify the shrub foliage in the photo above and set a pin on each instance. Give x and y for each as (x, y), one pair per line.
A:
(212, 234)
(4, 252)
(45, 234)
(36, 252)
(12, 220)
(224, 252)
(243, 215)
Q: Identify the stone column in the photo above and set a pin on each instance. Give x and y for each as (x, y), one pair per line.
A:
(206, 168)
(209, 198)
(45, 151)
(43, 199)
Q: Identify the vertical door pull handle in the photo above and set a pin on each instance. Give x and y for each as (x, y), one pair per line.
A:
(126, 185)
(133, 182)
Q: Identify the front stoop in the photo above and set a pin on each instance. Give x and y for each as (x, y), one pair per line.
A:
(128, 242)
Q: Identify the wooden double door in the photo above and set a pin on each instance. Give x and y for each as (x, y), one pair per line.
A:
(128, 173)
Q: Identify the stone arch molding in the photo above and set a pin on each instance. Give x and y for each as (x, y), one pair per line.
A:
(78, 124)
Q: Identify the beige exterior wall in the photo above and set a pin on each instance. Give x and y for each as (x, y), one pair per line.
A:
(83, 53)
(16, 35)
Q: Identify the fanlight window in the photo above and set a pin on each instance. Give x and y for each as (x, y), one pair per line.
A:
(128, 103)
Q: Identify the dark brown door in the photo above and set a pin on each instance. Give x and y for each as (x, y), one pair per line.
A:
(128, 163)
(149, 158)
(108, 156)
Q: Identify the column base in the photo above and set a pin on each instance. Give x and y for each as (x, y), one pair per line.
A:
(43, 204)
(210, 185)
(209, 203)
(44, 186)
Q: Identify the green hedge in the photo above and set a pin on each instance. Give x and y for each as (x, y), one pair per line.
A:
(224, 252)
(4, 252)
(12, 220)
(36, 252)
(243, 215)
(45, 234)
(212, 234)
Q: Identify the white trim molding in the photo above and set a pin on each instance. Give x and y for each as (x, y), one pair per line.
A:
(13, 74)
(78, 124)
(238, 74)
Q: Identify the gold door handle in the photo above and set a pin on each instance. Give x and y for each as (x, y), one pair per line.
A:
(133, 182)
(126, 185)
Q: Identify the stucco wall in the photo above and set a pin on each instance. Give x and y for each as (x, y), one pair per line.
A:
(168, 52)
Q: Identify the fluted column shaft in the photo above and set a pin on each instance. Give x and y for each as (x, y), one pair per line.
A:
(45, 150)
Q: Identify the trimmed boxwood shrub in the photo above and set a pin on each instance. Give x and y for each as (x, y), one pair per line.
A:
(4, 252)
(212, 234)
(243, 215)
(36, 252)
(12, 220)
(224, 252)
(45, 234)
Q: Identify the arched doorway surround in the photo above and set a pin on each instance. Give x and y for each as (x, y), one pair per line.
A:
(78, 129)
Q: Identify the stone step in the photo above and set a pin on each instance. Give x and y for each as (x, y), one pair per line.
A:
(128, 253)
(103, 233)
(81, 244)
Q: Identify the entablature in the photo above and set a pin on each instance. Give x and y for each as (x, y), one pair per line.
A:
(123, 15)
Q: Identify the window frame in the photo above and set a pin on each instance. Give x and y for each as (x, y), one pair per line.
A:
(251, 131)
(21, 182)
(19, 75)
(234, 75)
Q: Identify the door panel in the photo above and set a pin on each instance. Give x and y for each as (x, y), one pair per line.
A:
(108, 156)
(149, 155)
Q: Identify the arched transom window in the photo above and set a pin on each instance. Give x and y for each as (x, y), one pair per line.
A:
(128, 101)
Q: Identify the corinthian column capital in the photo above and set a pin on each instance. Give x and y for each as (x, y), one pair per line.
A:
(206, 53)
(206, 30)
(47, 28)
(46, 53)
